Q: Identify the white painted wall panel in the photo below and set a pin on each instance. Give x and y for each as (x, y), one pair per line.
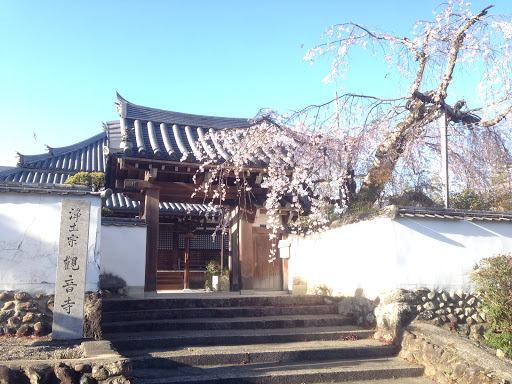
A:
(383, 254)
(123, 250)
(29, 240)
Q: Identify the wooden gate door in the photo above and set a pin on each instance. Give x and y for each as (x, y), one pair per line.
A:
(267, 276)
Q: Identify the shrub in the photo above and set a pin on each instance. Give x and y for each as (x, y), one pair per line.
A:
(493, 279)
(213, 269)
(94, 180)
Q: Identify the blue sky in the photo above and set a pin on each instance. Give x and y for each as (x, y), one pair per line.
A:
(62, 61)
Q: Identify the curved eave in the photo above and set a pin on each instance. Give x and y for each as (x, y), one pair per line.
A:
(138, 112)
(30, 159)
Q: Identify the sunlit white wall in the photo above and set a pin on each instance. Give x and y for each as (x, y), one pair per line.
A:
(29, 241)
(383, 254)
(123, 254)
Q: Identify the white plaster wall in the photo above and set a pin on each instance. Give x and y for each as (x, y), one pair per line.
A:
(440, 253)
(123, 253)
(347, 258)
(384, 254)
(29, 241)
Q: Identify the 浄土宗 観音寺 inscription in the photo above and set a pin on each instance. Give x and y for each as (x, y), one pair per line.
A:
(68, 314)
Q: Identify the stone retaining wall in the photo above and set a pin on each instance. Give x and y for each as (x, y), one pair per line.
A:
(460, 312)
(22, 314)
(100, 365)
(444, 363)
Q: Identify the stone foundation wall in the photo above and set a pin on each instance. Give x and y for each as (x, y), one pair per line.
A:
(444, 364)
(101, 364)
(461, 312)
(23, 314)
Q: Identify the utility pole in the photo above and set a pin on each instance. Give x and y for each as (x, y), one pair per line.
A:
(444, 158)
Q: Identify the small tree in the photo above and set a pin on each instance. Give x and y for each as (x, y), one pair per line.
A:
(95, 180)
(493, 279)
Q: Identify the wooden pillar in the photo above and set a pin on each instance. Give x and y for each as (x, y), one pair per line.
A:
(246, 255)
(175, 252)
(151, 212)
(186, 273)
(142, 208)
(234, 272)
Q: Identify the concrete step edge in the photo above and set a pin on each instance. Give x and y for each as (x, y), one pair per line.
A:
(128, 342)
(233, 319)
(317, 372)
(163, 360)
(183, 313)
(114, 305)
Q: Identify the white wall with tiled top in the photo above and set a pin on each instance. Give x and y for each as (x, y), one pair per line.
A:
(383, 254)
(29, 241)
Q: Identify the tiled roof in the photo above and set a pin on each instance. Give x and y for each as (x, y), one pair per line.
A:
(147, 132)
(448, 213)
(122, 222)
(120, 203)
(59, 189)
(86, 156)
(399, 211)
(58, 164)
(155, 133)
(133, 111)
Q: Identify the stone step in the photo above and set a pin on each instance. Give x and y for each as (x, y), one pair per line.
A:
(218, 312)
(283, 372)
(265, 322)
(405, 380)
(214, 301)
(261, 353)
(124, 342)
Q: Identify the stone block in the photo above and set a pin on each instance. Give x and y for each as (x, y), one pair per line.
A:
(27, 306)
(65, 374)
(471, 301)
(441, 378)
(459, 370)
(6, 296)
(4, 315)
(399, 296)
(22, 296)
(38, 373)
(24, 330)
(299, 289)
(8, 305)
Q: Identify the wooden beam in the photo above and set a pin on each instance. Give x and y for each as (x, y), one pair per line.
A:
(151, 214)
(136, 184)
